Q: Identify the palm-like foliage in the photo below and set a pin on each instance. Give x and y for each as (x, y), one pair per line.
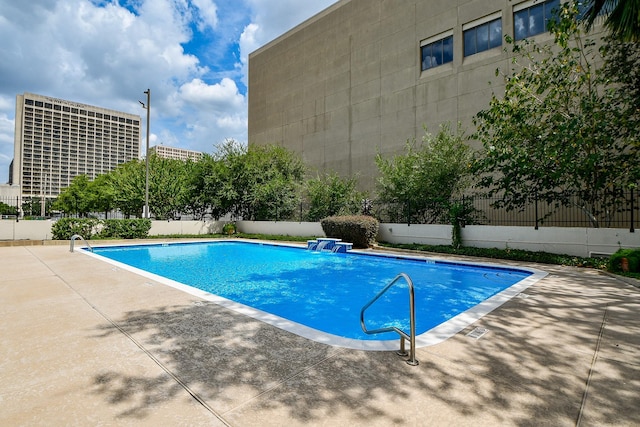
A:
(623, 20)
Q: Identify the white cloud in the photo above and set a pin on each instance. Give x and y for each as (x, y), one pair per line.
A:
(208, 14)
(6, 132)
(249, 41)
(219, 97)
(107, 52)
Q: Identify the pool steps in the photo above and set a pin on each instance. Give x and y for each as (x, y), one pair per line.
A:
(325, 244)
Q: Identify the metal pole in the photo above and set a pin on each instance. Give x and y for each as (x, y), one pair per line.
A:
(536, 209)
(145, 213)
(632, 227)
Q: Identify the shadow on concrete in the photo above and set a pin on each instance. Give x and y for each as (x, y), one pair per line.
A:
(535, 367)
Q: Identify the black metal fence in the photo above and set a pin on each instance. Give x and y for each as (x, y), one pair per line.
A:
(481, 210)
(623, 212)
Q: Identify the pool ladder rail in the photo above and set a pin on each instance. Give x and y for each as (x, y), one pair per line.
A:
(73, 239)
(411, 337)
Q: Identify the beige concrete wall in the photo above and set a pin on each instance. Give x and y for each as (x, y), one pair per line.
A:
(185, 227)
(583, 242)
(348, 83)
(310, 229)
(10, 229)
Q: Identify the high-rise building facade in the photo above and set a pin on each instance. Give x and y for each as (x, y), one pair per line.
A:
(175, 153)
(56, 140)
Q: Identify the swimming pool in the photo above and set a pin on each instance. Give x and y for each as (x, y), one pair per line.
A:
(319, 295)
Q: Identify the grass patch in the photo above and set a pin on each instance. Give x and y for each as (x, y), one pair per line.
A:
(508, 254)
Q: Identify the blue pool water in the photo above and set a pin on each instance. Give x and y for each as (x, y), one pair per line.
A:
(321, 290)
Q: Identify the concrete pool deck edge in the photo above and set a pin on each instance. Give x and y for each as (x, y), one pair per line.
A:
(83, 344)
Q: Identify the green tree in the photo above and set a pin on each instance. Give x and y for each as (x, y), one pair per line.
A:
(76, 198)
(260, 182)
(269, 183)
(167, 186)
(553, 135)
(6, 209)
(102, 194)
(621, 71)
(623, 17)
(330, 195)
(225, 179)
(129, 184)
(195, 196)
(425, 178)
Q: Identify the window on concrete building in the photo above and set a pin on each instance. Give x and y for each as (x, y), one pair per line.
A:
(531, 18)
(436, 52)
(483, 36)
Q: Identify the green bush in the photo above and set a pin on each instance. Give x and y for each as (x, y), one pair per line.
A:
(229, 228)
(64, 228)
(125, 228)
(90, 228)
(632, 255)
(361, 230)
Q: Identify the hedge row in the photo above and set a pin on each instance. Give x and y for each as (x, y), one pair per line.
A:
(91, 228)
(361, 230)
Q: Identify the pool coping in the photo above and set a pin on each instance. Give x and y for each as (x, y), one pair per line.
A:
(431, 337)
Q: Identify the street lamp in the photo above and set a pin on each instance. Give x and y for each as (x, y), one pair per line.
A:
(147, 106)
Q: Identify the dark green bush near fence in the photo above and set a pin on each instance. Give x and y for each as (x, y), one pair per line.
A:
(64, 228)
(633, 259)
(361, 230)
(90, 228)
(125, 229)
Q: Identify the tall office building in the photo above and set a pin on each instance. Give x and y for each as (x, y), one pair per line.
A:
(56, 140)
(175, 153)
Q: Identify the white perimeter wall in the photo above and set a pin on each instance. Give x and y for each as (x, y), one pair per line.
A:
(576, 241)
(582, 242)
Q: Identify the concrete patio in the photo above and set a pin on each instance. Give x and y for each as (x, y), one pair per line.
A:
(85, 343)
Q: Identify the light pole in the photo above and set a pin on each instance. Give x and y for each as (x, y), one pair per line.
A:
(147, 106)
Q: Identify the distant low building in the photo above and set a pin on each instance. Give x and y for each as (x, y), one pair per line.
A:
(175, 153)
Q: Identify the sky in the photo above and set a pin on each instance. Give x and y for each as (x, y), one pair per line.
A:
(191, 54)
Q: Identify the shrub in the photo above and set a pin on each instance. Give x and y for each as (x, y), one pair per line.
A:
(125, 228)
(361, 230)
(632, 255)
(90, 228)
(229, 228)
(64, 228)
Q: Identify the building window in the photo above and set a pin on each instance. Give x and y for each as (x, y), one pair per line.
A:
(483, 37)
(437, 53)
(532, 20)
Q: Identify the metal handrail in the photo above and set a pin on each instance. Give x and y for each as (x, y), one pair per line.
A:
(412, 320)
(73, 239)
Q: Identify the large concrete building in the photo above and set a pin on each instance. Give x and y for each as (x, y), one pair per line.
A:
(56, 140)
(175, 153)
(364, 76)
